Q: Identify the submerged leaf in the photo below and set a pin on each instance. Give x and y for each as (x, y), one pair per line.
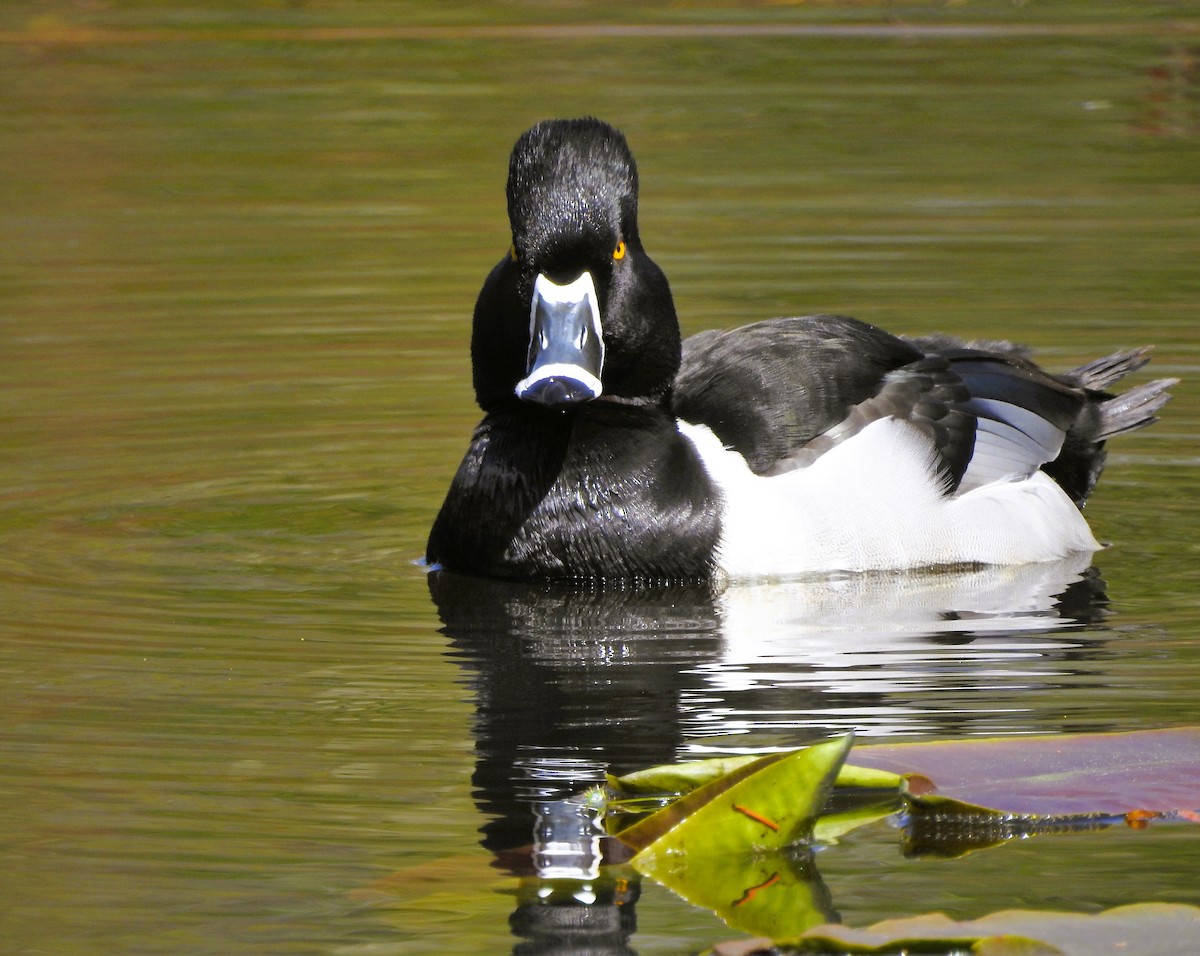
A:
(944, 828)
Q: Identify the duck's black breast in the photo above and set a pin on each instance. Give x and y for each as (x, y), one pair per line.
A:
(609, 491)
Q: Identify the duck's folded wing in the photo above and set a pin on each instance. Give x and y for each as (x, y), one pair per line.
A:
(929, 395)
(784, 392)
(988, 416)
(767, 390)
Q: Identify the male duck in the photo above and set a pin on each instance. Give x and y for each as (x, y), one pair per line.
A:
(611, 451)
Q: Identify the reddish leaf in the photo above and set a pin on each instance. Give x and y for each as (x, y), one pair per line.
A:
(1069, 775)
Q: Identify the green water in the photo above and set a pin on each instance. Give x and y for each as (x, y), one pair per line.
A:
(240, 250)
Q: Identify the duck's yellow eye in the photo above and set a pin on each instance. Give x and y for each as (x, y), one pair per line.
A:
(619, 252)
(512, 253)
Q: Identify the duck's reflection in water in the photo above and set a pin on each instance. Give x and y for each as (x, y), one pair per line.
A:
(570, 683)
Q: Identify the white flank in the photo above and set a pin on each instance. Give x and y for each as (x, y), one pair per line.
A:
(874, 503)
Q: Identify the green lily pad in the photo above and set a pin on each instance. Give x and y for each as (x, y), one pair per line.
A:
(680, 777)
(685, 777)
(868, 778)
(769, 804)
(730, 846)
(650, 828)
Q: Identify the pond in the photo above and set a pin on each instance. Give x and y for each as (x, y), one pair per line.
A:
(242, 244)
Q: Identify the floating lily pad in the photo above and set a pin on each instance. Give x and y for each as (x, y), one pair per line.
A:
(1148, 929)
(722, 845)
(1060, 776)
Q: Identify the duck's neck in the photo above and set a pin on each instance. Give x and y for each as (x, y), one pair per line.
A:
(607, 491)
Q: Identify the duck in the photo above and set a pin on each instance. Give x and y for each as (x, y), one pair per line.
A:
(614, 452)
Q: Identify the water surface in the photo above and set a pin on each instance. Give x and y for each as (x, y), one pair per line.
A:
(237, 275)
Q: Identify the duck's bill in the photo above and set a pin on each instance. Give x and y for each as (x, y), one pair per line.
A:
(566, 347)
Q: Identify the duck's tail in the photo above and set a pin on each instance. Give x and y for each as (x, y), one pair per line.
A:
(1134, 409)
(1131, 410)
(1100, 373)
(1078, 466)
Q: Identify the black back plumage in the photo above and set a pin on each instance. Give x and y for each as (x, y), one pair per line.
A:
(770, 388)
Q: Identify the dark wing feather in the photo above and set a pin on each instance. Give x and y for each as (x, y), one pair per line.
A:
(1023, 414)
(768, 389)
(926, 393)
